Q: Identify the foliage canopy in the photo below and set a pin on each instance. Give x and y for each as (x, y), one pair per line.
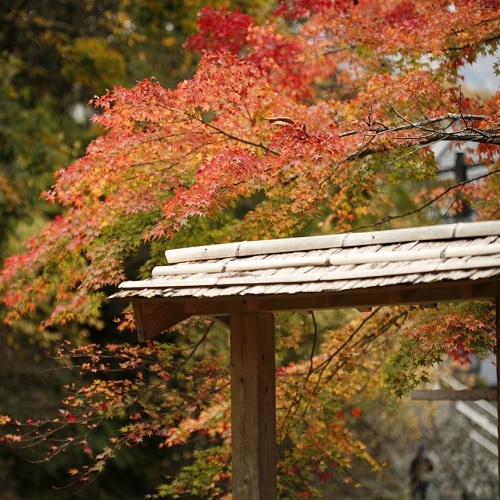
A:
(317, 118)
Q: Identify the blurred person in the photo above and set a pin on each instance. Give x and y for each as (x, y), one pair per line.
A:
(420, 468)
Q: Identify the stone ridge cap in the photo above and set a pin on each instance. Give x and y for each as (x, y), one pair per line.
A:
(343, 240)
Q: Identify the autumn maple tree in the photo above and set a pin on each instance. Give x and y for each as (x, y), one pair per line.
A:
(318, 119)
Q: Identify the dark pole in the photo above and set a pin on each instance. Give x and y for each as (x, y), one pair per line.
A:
(498, 383)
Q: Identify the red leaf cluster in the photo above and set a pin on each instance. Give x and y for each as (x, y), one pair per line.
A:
(220, 29)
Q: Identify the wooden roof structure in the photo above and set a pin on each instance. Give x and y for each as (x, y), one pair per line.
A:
(243, 284)
(418, 265)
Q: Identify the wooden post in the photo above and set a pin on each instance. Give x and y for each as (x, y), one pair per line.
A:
(253, 406)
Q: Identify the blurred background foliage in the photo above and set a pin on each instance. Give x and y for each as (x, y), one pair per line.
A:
(55, 55)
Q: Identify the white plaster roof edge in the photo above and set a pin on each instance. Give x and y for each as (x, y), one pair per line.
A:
(445, 252)
(286, 245)
(430, 267)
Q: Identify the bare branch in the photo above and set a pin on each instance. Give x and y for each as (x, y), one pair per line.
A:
(459, 185)
(233, 137)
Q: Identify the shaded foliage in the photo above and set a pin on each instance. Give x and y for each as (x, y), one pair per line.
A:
(318, 121)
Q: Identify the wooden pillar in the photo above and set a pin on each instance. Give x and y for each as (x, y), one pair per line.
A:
(253, 406)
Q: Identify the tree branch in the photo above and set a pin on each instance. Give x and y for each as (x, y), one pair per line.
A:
(459, 185)
(231, 136)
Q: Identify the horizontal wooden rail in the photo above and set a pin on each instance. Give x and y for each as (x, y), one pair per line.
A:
(454, 395)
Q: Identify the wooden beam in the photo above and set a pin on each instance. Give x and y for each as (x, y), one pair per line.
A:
(423, 293)
(223, 320)
(154, 317)
(454, 395)
(253, 406)
(157, 314)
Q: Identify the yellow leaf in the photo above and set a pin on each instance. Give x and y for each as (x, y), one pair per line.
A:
(4, 419)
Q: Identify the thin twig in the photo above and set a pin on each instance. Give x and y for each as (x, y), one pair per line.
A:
(428, 203)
